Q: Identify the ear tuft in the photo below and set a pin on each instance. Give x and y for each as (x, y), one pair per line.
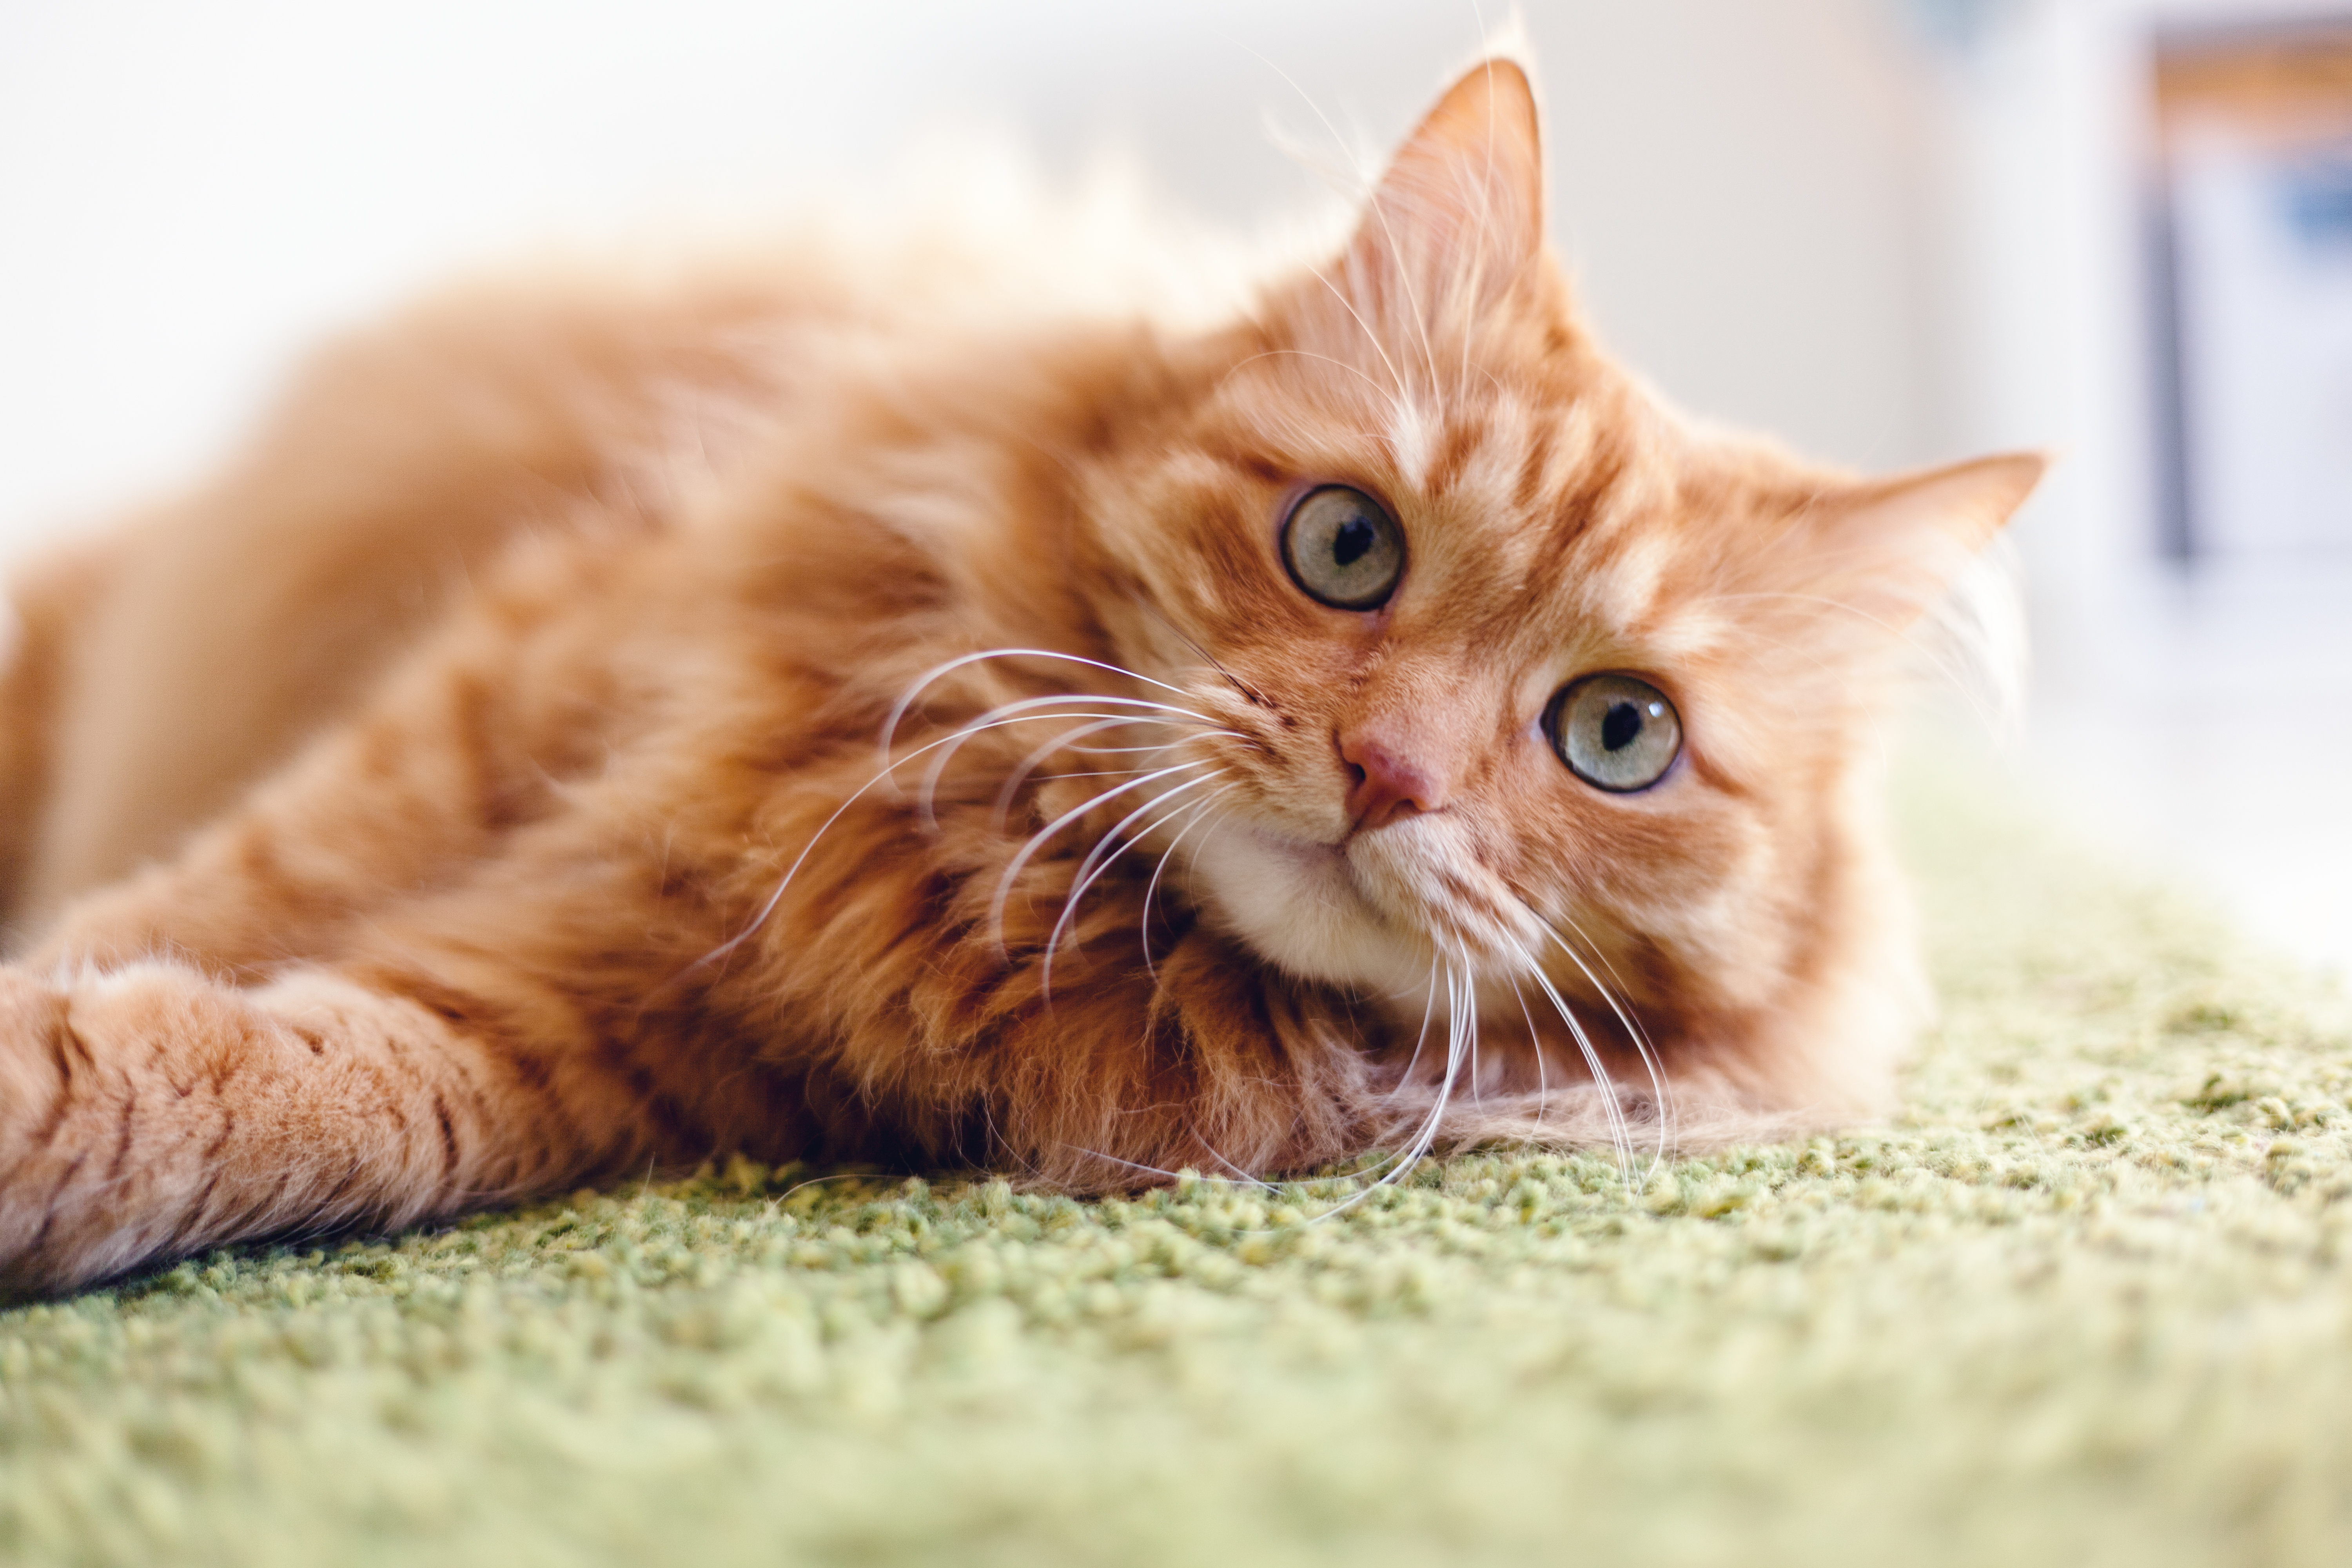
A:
(1969, 501)
(1458, 217)
(1893, 547)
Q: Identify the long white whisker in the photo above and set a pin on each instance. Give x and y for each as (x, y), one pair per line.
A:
(1428, 1005)
(1534, 1041)
(1130, 1164)
(1399, 400)
(1642, 1045)
(953, 742)
(1044, 778)
(1034, 760)
(1129, 750)
(1462, 1020)
(1423, 1136)
(1244, 1176)
(1470, 1026)
(1386, 233)
(1457, 986)
(940, 671)
(1092, 868)
(1477, 1090)
(1200, 809)
(1174, 1175)
(1096, 860)
(1307, 353)
(1094, 772)
(768, 908)
(1620, 1138)
(1037, 840)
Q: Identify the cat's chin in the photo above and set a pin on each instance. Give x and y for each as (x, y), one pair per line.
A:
(1302, 907)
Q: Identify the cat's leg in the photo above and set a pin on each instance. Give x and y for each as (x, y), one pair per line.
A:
(151, 1111)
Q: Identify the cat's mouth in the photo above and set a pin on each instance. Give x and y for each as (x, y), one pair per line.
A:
(1309, 908)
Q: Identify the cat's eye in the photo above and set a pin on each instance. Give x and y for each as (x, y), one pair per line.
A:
(1343, 548)
(1615, 731)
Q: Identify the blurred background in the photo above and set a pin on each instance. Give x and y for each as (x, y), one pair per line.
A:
(1893, 232)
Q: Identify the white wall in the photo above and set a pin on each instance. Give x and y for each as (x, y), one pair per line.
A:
(2199, 721)
(189, 194)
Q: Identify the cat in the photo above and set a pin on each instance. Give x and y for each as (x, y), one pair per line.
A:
(812, 709)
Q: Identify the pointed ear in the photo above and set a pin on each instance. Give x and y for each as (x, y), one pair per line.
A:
(1458, 217)
(1893, 547)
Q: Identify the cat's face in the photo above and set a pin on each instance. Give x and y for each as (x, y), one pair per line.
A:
(1509, 670)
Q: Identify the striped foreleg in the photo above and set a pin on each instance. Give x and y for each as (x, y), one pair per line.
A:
(150, 1111)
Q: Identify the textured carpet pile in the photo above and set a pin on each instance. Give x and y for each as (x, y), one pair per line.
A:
(2085, 1300)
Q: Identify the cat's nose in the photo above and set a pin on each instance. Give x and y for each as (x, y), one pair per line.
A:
(1385, 783)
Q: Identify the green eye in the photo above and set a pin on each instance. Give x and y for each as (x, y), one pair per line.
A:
(1616, 733)
(1342, 549)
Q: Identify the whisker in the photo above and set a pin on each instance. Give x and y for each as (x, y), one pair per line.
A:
(1402, 1162)
(1458, 1001)
(1620, 1138)
(1090, 871)
(1244, 1176)
(1642, 1045)
(1462, 1004)
(1210, 659)
(776, 898)
(1034, 760)
(1470, 1020)
(1030, 709)
(1428, 1005)
(1200, 808)
(1306, 353)
(1477, 1091)
(1126, 750)
(1257, 1182)
(1534, 1042)
(1130, 1164)
(941, 671)
(1427, 1136)
(1037, 840)
(1095, 772)
(1388, 236)
(1400, 403)
(1029, 765)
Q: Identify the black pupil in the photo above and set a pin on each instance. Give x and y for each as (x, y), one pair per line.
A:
(1622, 725)
(1348, 545)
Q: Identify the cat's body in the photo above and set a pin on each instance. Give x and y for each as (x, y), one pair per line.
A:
(503, 743)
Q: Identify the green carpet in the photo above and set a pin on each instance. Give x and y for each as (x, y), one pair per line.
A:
(2084, 1302)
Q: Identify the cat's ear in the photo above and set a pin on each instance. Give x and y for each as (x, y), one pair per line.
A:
(1458, 217)
(1891, 548)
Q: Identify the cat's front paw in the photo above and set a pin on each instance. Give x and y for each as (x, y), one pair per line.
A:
(34, 1036)
(109, 1115)
(38, 1054)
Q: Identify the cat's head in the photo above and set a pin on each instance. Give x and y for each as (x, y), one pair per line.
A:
(1510, 669)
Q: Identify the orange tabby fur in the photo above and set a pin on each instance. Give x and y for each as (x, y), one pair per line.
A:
(471, 794)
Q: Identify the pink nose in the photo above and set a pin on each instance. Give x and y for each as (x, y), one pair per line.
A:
(1386, 785)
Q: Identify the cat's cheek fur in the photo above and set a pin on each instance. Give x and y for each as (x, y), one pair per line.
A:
(1300, 906)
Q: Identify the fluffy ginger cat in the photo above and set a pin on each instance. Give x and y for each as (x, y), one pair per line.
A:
(596, 727)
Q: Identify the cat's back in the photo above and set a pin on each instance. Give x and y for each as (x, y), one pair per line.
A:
(161, 669)
(182, 657)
